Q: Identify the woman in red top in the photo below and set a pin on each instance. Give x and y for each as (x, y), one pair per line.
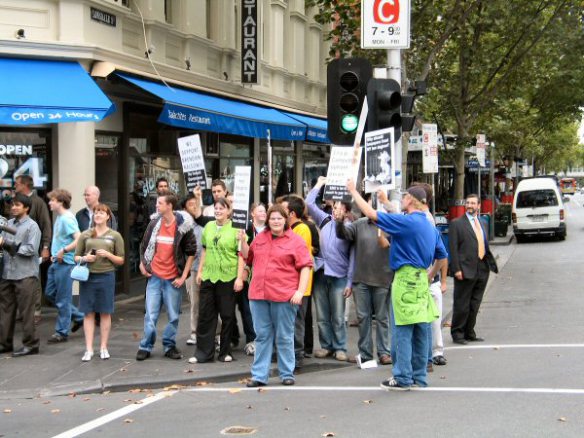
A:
(281, 266)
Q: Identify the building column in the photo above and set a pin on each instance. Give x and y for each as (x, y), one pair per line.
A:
(74, 160)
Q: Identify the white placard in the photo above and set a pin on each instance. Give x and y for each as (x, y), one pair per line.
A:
(379, 160)
(430, 148)
(193, 163)
(241, 186)
(385, 24)
(481, 150)
(343, 164)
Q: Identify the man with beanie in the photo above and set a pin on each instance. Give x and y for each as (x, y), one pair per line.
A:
(415, 244)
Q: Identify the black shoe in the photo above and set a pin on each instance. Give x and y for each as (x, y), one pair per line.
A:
(475, 339)
(439, 360)
(254, 384)
(142, 355)
(173, 353)
(288, 382)
(56, 339)
(4, 349)
(76, 326)
(25, 351)
(460, 341)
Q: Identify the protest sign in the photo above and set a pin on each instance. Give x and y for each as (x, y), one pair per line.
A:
(379, 160)
(241, 187)
(343, 164)
(193, 163)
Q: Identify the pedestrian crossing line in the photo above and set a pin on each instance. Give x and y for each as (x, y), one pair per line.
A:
(509, 346)
(98, 422)
(566, 391)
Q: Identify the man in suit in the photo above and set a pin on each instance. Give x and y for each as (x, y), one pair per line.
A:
(470, 262)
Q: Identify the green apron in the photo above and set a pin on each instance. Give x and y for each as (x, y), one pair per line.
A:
(411, 298)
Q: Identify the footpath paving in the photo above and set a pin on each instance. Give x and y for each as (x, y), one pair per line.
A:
(58, 369)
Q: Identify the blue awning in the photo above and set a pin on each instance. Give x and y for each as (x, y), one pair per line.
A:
(316, 128)
(36, 91)
(193, 110)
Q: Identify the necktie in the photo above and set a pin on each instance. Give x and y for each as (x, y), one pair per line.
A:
(479, 233)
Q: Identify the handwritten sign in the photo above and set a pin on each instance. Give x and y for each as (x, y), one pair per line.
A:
(241, 186)
(343, 164)
(193, 163)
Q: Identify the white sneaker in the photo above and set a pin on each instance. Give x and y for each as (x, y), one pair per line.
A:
(228, 358)
(193, 360)
(104, 354)
(87, 356)
(192, 340)
(249, 348)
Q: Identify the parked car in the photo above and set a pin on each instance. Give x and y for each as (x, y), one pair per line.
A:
(538, 209)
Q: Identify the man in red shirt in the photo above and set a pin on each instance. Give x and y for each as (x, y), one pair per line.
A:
(167, 252)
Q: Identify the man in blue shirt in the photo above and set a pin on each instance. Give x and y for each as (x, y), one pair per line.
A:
(59, 287)
(415, 245)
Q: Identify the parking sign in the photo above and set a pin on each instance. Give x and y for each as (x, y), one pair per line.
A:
(385, 24)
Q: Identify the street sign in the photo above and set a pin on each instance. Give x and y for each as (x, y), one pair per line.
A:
(385, 24)
(481, 149)
(430, 148)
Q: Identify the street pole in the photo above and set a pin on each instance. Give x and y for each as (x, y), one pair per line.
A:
(394, 72)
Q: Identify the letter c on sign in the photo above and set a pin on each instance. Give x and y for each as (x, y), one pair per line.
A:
(386, 11)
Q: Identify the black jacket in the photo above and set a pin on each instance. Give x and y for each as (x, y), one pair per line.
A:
(464, 249)
(185, 243)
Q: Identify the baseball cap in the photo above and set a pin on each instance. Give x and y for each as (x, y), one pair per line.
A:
(418, 192)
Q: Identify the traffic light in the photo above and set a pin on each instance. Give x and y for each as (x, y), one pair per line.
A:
(385, 102)
(346, 90)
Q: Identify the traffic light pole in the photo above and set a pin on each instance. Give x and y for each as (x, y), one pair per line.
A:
(394, 72)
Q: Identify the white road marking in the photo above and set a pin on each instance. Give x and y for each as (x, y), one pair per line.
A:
(94, 424)
(481, 346)
(574, 391)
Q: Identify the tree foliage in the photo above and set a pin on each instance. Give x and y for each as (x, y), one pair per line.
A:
(512, 70)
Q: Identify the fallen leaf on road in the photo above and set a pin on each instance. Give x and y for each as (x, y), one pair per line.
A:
(323, 416)
(135, 335)
(47, 402)
(234, 390)
(286, 408)
(202, 383)
(56, 411)
(72, 394)
(173, 387)
(562, 419)
(367, 402)
(86, 399)
(138, 402)
(7, 411)
(188, 371)
(106, 392)
(128, 420)
(243, 381)
(496, 348)
(328, 434)
(100, 410)
(261, 390)
(135, 390)
(128, 400)
(123, 370)
(443, 377)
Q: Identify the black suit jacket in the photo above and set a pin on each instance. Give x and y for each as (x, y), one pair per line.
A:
(464, 249)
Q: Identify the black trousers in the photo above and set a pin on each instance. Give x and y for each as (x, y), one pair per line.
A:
(468, 295)
(216, 299)
(18, 295)
(308, 329)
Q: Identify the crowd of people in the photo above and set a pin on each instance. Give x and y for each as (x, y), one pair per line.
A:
(294, 256)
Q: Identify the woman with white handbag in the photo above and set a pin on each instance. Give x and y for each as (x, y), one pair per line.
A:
(101, 249)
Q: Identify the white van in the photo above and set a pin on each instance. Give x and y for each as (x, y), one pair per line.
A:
(538, 209)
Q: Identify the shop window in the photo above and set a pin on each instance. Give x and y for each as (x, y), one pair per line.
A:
(233, 151)
(316, 159)
(23, 152)
(107, 149)
(283, 169)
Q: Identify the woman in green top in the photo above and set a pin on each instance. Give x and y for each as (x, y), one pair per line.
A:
(102, 249)
(220, 275)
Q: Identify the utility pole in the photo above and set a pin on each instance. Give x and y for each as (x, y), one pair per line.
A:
(394, 72)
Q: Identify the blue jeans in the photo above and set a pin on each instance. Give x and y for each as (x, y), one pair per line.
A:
(59, 290)
(158, 292)
(411, 353)
(273, 320)
(330, 311)
(368, 298)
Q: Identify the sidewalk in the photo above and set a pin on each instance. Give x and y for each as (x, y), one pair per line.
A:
(58, 370)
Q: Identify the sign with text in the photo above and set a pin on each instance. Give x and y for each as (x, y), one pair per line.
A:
(249, 42)
(193, 163)
(241, 187)
(379, 160)
(481, 149)
(385, 24)
(343, 164)
(430, 148)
